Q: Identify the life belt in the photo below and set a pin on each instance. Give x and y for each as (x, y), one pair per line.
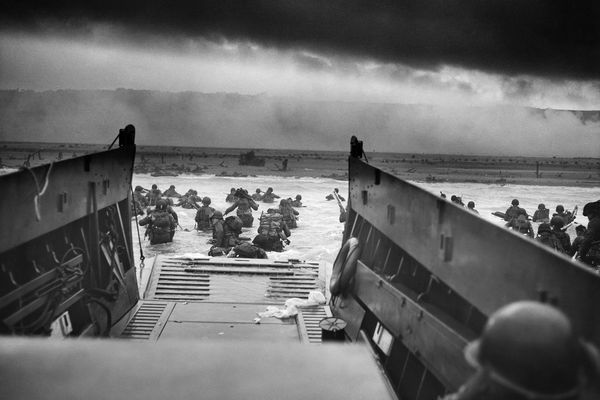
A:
(344, 266)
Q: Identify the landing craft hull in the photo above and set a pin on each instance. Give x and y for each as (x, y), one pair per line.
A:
(67, 270)
(65, 244)
(430, 273)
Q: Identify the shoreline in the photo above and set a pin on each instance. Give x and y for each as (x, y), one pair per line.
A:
(430, 168)
(415, 177)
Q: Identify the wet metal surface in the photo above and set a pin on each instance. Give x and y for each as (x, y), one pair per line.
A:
(232, 280)
(207, 298)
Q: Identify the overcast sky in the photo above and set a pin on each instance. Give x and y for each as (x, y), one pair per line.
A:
(464, 52)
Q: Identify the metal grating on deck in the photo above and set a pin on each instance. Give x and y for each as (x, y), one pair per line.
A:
(175, 284)
(232, 279)
(148, 321)
(284, 287)
(308, 319)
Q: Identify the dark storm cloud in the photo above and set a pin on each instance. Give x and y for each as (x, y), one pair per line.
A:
(558, 38)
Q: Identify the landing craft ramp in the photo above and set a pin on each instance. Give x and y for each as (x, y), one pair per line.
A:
(430, 273)
(220, 298)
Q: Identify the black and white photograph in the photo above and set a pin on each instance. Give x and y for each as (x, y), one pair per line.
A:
(262, 199)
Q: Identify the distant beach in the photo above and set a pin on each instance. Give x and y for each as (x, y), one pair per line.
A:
(172, 161)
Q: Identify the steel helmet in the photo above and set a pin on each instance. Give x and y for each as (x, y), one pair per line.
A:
(515, 202)
(559, 208)
(529, 348)
(557, 221)
(544, 227)
(161, 204)
(298, 197)
(206, 200)
(471, 204)
(139, 188)
(217, 215)
(591, 208)
(541, 206)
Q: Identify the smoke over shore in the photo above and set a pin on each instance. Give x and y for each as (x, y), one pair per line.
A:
(233, 120)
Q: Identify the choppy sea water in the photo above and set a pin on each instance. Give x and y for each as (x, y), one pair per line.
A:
(319, 233)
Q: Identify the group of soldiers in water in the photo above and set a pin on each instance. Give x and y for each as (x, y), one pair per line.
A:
(273, 232)
(458, 200)
(552, 231)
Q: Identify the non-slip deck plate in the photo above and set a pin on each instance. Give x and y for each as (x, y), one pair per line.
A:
(232, 280)
(308, 323)
(148, 320)
(221, 299)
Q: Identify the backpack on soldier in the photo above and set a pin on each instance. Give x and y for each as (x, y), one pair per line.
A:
(161, 222)
(216, 251)
(270, 224)
(246, 250)
(552, 241)
(203, 217)
(235, 223)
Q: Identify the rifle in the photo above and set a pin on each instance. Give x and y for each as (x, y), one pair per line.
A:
(343, 215)
(185, 230)
(342, 209)
(573, 215)
(242, 193)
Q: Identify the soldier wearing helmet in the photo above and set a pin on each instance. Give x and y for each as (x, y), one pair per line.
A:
(580, 231)
(231, 196)
(244, 205)
(189, 200)
(589, 250)
(225, 233)
(203, 215)
(138, 201)
(546, 236)
(528, 350)
(161, 224)
(565, 215)
(288, 213)
(171, 192)
(471, 207)
(522, 225)
(153, 195)
(513, 212)
(297, 202)
(256, 196)
(557, 224)
(269, 196)
(542, 214)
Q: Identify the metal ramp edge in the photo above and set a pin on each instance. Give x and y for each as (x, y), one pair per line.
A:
(147, 321)
(308, 319)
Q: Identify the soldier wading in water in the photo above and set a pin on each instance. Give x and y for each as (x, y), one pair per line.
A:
(244, 205)
(161, 224)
